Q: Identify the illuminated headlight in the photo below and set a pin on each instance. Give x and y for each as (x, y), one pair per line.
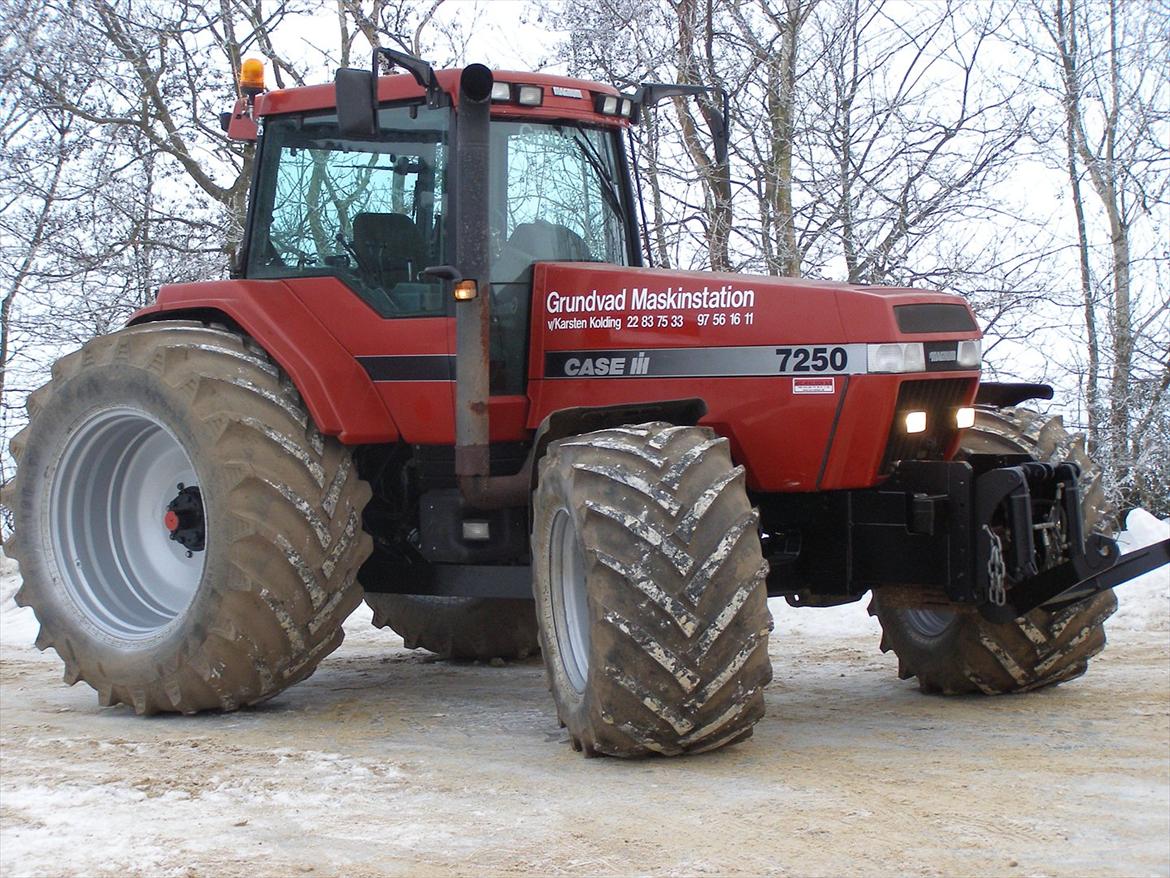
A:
(896, 357)
(501, 91)
(964, 417)
(530, 95)
(970, 354)
(915, 422)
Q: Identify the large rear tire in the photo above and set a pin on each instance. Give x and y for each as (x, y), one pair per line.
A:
(459, 628)
(270, 511)
(958, 651)
(650, 592)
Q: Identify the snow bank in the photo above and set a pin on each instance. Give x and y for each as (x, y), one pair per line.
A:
(18, 625)
(1143, 603)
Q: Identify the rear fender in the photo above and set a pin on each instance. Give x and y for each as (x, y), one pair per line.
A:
(337, 390)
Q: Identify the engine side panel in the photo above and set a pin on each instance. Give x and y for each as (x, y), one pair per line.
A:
(780, 363)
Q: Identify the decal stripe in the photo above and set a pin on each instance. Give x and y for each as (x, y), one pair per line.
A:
(810, 360)
(410, 368)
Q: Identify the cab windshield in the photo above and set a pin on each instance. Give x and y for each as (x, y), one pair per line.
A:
(555, 196)
(367, 212)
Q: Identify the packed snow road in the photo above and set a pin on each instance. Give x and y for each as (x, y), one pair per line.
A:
(386, 762)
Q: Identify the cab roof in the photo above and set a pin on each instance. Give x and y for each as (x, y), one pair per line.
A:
(563, 97)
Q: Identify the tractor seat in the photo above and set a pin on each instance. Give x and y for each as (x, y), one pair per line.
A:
(535, 242)
(389, 248)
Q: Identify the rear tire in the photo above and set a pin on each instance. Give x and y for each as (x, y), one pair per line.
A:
(958, 651)
(650, 593)
(459, 628)
(130, 613)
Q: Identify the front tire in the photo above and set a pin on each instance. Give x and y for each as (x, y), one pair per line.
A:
(650, 592)
(254, 597)
(958, 651)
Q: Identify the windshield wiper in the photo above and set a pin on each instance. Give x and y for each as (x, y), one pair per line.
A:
(608, 186)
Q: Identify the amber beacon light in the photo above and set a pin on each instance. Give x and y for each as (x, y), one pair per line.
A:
(251, 77)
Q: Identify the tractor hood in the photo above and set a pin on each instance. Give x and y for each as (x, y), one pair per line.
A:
(581, 307)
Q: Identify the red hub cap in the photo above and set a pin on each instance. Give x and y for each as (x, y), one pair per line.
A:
(171, 520)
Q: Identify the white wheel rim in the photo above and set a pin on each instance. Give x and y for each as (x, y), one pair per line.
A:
(570, 600)
(118, 473)
(929, 623)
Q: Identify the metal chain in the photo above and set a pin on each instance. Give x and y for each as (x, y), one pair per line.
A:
(996, 593)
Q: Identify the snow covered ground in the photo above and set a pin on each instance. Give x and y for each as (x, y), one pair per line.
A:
(387, 762)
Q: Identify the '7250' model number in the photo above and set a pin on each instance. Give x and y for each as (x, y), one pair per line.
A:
(819, 360)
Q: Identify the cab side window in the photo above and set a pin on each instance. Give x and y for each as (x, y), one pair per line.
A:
(367, 212)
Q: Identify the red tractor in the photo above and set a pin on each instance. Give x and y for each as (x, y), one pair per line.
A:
(441, 377)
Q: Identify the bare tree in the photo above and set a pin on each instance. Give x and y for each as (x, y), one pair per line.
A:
(1113, 65)
(771, 32)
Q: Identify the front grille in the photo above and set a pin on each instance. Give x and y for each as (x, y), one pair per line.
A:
(939, 399)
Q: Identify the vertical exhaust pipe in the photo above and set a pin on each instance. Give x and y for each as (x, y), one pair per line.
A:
(473, 316)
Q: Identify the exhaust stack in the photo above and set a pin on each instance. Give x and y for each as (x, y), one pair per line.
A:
(473, 315)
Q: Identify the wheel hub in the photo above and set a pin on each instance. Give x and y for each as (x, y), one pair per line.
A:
(184, 518)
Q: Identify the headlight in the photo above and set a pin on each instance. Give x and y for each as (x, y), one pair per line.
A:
(970, 354)
(915, 422)
(964, 417)
(896, 357)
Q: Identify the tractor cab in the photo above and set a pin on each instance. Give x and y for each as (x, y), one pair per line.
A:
(358, 182)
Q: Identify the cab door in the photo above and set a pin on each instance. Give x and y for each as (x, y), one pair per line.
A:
(349, 225)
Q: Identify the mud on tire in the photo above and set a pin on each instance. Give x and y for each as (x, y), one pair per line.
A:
(459, 627)
(281, 509)
(650, 592)
(954, 652)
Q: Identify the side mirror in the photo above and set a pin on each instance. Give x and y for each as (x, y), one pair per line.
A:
(442, 272)
(356, 109)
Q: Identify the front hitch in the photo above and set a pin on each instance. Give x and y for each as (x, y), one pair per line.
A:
(1014, 575)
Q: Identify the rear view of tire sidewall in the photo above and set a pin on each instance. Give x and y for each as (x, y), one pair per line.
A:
(123, 661)
(459, 628)
(571, 693)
